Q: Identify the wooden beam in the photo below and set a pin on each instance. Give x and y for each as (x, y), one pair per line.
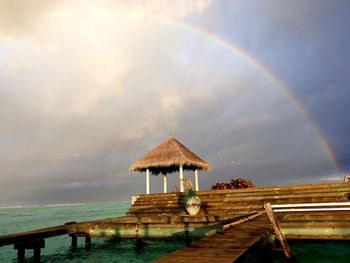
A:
(181, 176)
(165, 183)
(312, 209)
(33, 235)
(242, 220)
(196, 179)
(278, 231)
(310, 205)
(147, 182)
(30, 244)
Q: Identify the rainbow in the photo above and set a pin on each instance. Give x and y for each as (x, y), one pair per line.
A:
(270, 75)
(263, 69)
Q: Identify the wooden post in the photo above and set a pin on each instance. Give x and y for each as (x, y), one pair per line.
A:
(36, 253)
(242, 220)
(165, 183)
(196, 179)
(181, 176)
(139, 245)
(147, 182)
(36, 244)
(21, 253)
(74, 241)
(278, 231)
(187, 234)
(87, 243)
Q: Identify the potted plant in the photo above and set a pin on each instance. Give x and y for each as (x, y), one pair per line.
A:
(191, 200)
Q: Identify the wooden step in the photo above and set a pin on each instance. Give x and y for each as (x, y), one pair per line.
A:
(269, 193)
(162, 205)
(317, 216)
(276, 200)
(263, 198)
(164, 198)
(139, 214)
(316, 224)
(290, 187)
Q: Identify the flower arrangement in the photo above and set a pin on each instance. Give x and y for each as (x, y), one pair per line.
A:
(234, 184)
(191, 200)
(189, 191)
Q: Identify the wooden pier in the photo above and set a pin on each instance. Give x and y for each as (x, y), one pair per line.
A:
(163, 216)
(33, 240)
(225, 246)
(33, 235)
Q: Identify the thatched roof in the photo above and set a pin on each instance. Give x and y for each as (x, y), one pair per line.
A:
(167, 157)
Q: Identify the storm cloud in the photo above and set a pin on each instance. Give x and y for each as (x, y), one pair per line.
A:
(87, 88)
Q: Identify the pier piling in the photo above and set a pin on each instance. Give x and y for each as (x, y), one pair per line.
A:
(37, 254)
(36, 245)
(74, 241)
(21, 254)
(87, 243)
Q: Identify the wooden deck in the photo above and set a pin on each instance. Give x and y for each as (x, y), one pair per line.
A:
(223, 202)
(163, 216)
(224, 246)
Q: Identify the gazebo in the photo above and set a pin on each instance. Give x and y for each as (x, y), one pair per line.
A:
(168, 157)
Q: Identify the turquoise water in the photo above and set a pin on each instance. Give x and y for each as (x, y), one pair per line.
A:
(105, 250)
(57, 249)
(305, 251)
(325, 251)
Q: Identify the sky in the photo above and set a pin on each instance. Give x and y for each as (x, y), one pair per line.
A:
(258, 89)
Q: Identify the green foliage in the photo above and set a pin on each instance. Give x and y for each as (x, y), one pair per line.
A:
(190, 193)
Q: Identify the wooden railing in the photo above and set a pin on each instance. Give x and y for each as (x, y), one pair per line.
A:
(311, 207)
(305, 207)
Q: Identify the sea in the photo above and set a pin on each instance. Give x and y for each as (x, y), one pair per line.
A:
(57, 249)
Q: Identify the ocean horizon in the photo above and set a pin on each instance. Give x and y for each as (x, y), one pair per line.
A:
(45, 205)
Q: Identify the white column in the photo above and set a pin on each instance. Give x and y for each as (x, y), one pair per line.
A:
(196, 179)
(165, 184)
(181, 175)
(147, 181)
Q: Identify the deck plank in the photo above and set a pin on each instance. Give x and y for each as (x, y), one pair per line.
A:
(225, 246)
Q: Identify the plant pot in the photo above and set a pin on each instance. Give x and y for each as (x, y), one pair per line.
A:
(193, 205)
